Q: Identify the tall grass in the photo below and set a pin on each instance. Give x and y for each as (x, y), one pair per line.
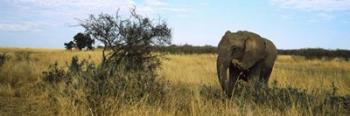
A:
(296, 87)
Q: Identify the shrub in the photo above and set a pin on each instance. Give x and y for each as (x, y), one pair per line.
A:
(75, 66)
(318, 53)
(187, 49)
(127, 73)
(54, 74)
(308, 53)
(130, 40)
(3, 58)
(97, 84)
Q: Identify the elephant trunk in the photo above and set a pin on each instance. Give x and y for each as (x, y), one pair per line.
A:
(222, 67)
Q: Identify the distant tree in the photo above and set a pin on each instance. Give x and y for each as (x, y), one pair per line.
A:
(79, 39)
(69, 45)
(130, 40)
(83, 40)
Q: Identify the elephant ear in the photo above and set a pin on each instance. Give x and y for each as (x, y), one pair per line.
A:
(254, 51)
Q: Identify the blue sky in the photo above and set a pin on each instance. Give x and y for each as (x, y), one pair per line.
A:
(289, 24)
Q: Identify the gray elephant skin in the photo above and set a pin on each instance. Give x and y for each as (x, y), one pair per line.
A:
(244, 55)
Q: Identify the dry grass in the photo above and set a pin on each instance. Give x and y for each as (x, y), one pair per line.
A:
(297, 73)
(21, 93)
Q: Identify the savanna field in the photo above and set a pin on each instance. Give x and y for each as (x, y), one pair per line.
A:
(189, 86)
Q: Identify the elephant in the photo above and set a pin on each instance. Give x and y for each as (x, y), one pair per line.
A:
(244, 55)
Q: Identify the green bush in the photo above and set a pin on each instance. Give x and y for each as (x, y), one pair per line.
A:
(54, 74)
(318, 53)
(308, 53)
(187, 49)
(96, 84)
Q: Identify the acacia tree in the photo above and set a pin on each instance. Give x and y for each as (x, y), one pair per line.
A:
(69, 45)
(83, 40)
(131, 40)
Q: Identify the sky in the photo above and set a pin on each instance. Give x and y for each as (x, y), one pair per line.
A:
(290, 24)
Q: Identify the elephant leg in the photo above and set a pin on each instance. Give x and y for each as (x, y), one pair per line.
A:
(255, 72)
(234, 74)
(267, 68)
(265, 74)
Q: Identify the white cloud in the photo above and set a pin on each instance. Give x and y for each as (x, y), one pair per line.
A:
(80, 8)
(61, 12)
(317, 10)
(315, 5)
(54, 13)
(155, 3)
(321, 17)
(71, 7)
(157, 6)
(19, 26)
(77, 3)
(325, 16)
(346, 21)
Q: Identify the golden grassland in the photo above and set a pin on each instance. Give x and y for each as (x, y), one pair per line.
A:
(23, 71)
